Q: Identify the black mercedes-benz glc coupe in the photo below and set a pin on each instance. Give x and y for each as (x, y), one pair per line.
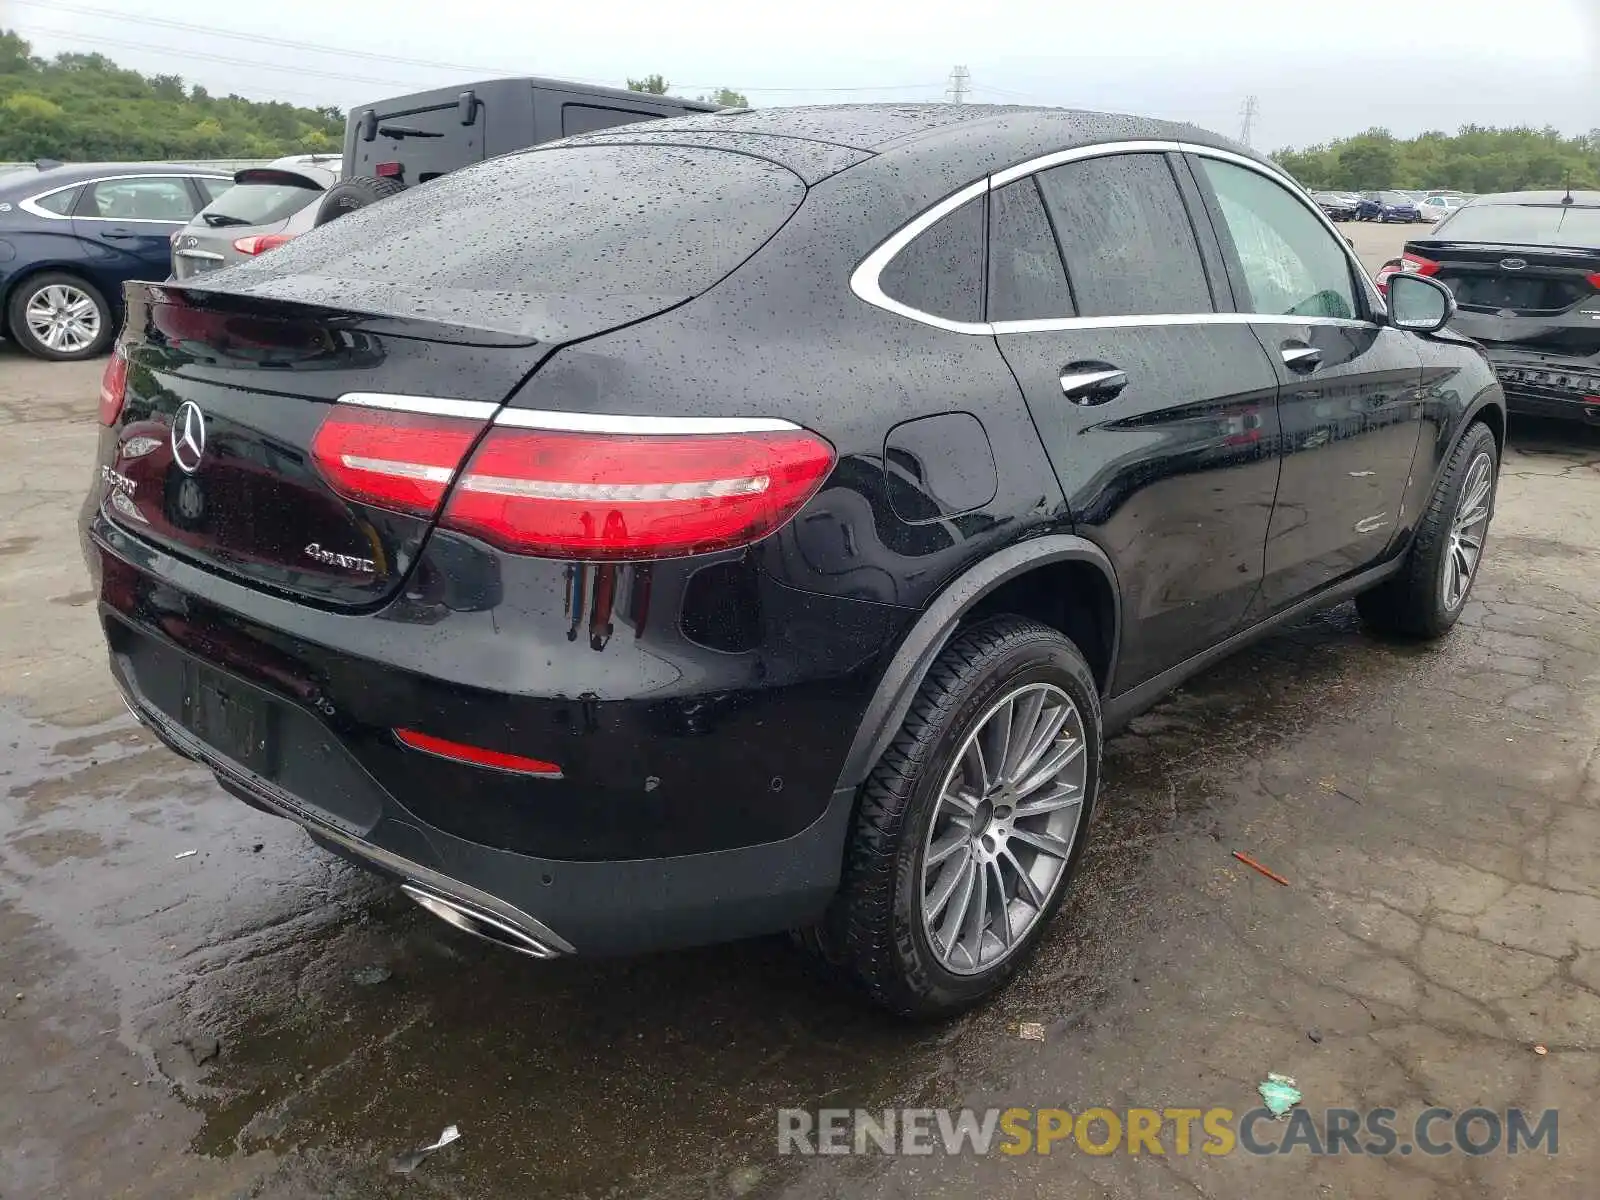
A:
(757, 520)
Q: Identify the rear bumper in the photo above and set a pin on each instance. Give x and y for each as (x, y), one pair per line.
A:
(1567, 389)
(582, 907)
(699, 798)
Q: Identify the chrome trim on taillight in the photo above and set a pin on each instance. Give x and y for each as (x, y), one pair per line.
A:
(435, 406)
(574, 422)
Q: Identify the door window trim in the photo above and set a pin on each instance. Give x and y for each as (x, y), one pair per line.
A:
(864, 279)
(32, 207)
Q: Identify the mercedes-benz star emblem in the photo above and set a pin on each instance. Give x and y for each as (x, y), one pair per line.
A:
(188, 437)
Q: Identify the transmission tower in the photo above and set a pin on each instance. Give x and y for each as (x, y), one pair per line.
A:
(1248, 112)
(960, 81)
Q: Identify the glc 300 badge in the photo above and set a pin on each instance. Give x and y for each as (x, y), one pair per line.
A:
(348, 561)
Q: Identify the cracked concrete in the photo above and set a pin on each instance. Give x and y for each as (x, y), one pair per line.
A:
(1436, 810)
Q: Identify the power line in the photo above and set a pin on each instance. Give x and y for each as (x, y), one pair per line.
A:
(960, 81)
(371, 56)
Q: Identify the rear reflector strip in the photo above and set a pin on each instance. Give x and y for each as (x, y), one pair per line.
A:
(476, 755)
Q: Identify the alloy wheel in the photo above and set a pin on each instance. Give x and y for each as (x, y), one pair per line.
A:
(63, 317)
(1003, 827)
(1467, 530)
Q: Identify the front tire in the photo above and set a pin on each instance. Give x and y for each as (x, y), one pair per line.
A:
(59, 317)
(971, 826)
(1424, 600)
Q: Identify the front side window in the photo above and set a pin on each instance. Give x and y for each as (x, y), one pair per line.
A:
(1126, 237)
(1026, 279)
(1292, 265)
(941, 271)
(141, 199)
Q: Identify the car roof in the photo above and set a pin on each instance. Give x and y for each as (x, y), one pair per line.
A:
(961, 141)
(31, 183)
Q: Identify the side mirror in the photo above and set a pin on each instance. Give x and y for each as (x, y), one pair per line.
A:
(1419, 304)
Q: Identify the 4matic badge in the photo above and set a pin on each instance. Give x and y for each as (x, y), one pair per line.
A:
(348, 561)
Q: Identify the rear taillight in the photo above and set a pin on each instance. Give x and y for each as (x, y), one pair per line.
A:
(388, 170)
(1594, 281)
(399, 460)
(260, 243)
(598, 496)
(113, 386)
(1415, 264)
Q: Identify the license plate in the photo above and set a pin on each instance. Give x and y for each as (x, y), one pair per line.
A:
(231, 719)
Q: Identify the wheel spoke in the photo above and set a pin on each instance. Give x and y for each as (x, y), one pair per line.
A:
(1052, 765)
(974, 759)
(1043, 842)
(1063, 795)
(1002, 919)
(1045, 735)
(949, 880)
(1024, 723)
(1025, 884)
(955, 838)
(955, 913)
(997, 729)
(977, 914)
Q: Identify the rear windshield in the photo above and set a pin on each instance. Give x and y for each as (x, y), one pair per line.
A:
(542, 242)
(1524, 225)
(259, 203)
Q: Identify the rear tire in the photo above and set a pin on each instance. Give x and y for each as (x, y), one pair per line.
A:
(350, 194)
(61, 307)
(1425, 599)
(1024, 691)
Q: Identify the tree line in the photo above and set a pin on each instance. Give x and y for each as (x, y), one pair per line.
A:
(1476, 160)
(83, 107)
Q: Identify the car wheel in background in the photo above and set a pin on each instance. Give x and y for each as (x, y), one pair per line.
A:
(350, 194)
(59, 316)
(972, 824)
(1427, 596)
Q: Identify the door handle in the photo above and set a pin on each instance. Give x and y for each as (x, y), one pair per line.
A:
(1092, 383)
(118, 235)
(1301, 359)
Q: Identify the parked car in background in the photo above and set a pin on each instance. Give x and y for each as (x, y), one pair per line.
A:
(1437, 208)
(1525, 271)
(1337, 208)
(400, 142)
(760, 523)
(1387, 207)
(71, 236)
(265, 207)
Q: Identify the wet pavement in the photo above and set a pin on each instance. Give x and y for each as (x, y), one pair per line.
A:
(260, 1019)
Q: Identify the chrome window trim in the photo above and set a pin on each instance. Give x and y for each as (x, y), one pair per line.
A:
(574, 422)
(434, 406)
(30, 205)
(865, 284)
(864, 279)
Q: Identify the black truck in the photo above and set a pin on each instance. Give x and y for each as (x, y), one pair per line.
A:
(406, 140)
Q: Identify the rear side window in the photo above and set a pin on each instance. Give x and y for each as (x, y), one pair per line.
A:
(59, 203)
(1292, 265)
(586, 118)
(529, 243)
(211, 188)
(941, 271)
(1026, 279)
(136, 198)
(1126, 237)
(259, 203)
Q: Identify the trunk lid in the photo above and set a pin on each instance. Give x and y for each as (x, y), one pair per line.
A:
(453, 292)
(1542, 297)
(212, 456)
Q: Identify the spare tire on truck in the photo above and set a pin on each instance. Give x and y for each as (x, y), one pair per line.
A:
(350, 194)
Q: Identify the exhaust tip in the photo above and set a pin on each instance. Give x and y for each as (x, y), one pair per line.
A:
(479, 922)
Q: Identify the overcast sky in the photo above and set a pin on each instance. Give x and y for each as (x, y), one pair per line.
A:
(1319, 70)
